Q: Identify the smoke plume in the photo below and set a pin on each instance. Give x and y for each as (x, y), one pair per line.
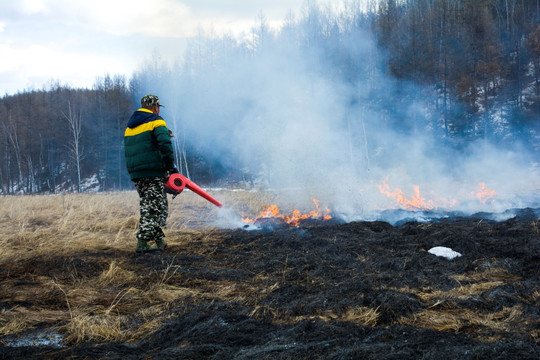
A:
(275, 107)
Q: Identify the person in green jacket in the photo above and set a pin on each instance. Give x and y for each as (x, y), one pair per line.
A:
(149, 159)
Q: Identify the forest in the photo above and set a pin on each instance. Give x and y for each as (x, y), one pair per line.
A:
(452, 71)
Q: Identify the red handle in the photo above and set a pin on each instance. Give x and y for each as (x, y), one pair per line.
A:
(176, 183)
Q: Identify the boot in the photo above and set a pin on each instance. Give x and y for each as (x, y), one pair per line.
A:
(143, 247)
(161, 244)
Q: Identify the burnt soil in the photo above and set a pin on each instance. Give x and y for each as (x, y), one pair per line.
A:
(303, 283)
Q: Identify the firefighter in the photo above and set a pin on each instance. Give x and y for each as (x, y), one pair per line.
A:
(149, 159)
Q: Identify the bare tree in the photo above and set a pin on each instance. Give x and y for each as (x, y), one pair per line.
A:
(179, 153)
(11, 130)
(74, 119)
(533, 45)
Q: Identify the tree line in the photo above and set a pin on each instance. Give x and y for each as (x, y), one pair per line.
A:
(471, 66)
(52, 139)
(481, 57)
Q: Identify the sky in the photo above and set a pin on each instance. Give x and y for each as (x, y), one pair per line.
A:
(75, 41)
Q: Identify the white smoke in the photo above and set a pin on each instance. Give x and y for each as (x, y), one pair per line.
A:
(280, 114)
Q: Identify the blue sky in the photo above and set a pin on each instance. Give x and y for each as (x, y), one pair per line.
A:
(75, 41)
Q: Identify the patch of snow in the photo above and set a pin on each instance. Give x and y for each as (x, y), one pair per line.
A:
(90, 184)
(35, 338)
(444, 252)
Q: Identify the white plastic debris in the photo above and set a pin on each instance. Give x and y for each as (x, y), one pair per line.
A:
(444, 252)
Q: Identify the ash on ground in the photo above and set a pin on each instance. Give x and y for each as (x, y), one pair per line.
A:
(360, 290)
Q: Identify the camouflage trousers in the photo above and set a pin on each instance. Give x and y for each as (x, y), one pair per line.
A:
(153, 207)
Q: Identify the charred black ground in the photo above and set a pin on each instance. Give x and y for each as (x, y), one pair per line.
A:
(310, 289)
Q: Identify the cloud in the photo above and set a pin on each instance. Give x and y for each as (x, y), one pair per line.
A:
(74, 41)
(119, 17)
(158, 18)
(85, 39)
(31, 6)
(20, 66)
(8, 63)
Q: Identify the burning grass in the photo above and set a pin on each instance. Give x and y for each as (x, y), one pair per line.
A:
(68, 266)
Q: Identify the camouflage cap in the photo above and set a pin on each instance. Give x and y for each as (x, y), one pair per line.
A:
(150, 100)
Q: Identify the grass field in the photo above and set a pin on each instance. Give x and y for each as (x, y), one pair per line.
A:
(36, 230)
(68, 266)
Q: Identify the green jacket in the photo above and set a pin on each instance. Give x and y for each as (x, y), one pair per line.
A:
(147, 145)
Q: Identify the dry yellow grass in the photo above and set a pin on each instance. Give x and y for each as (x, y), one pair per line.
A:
(66, 222)
(468, 285)
(97, 291)
(94, 221)
(442, 313)
(360, 315)
(99, 306)
(458, 320)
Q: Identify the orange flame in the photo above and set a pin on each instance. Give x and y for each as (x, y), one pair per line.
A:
(484, 194)
(415, 201)
(272, 211)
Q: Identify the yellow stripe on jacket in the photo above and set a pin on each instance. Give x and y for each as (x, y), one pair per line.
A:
(149, 126)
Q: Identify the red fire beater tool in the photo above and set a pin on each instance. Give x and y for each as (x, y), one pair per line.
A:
(177, 182)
